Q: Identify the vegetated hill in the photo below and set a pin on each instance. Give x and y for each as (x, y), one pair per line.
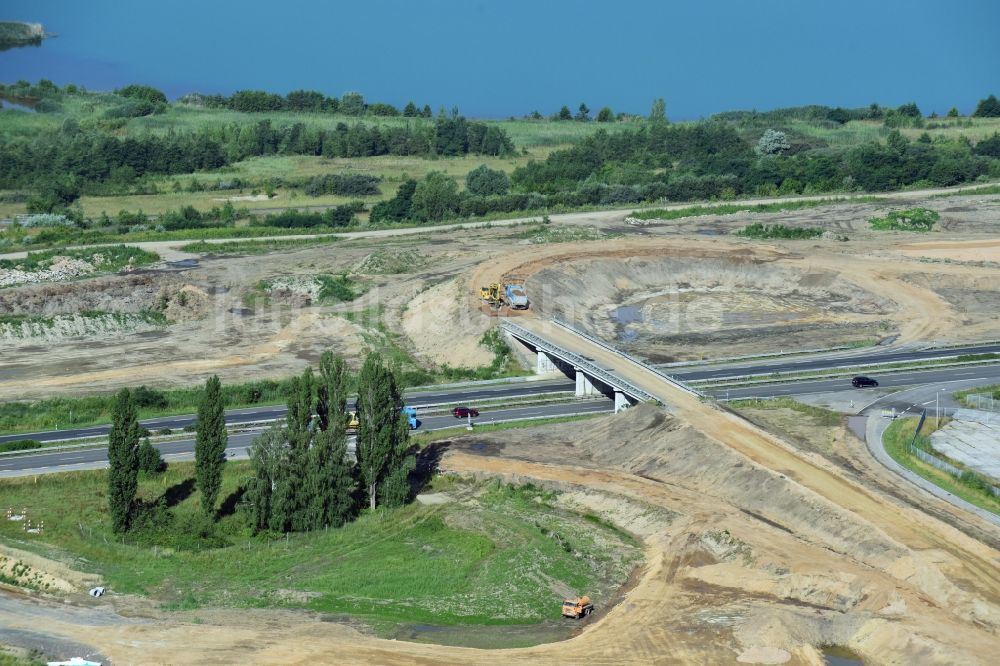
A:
(119, 150)
(16, 33)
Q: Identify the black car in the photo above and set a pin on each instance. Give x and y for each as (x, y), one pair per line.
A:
(862, 381)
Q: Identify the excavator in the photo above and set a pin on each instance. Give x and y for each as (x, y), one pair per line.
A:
(509, 291)
(577, 608)
(492, 294)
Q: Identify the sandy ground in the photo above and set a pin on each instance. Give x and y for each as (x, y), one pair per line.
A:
(754, 553)
(754, 297)
(988, 250)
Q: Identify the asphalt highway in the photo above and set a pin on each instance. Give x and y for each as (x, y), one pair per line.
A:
(827, 362)
(419, 399)
(75, 459)
(987, 374)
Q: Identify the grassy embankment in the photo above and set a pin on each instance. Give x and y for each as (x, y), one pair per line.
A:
(819, 415)
(992, 390)
(87, 322)
(478, 559)
(106, 259)
(970, 487)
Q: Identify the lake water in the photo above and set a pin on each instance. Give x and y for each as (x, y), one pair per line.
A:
(225, 45)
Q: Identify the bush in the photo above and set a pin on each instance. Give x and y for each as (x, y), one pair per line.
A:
(150, 460)
(772, 142)
(913, 219)
(989, 147)
(758, 230)
(340, 288)
(350, 185)
(146, 93)
(147, 397)
(20, 445)
(484, 181)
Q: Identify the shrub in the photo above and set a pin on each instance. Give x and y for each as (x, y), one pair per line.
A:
(989, 147)
(141, 92)
(484, 181)
(349, 185)
(913, 219)
(340, 288)
(150, 460)
(20, 445)
(147, 397)
(758, 230)
(772, 142)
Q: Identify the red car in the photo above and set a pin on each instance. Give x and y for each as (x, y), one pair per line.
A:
(464, 412)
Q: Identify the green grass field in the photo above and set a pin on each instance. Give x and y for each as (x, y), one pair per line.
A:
(897, 439)
(496, 555)
(819, 415)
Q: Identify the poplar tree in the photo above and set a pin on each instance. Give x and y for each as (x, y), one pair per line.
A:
(330, 480)
(383, 434)
(291, 493)
(123, 461)
(210, 444)
(268, 455)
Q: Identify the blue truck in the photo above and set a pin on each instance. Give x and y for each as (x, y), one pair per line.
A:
(411, 415)
(514, 293)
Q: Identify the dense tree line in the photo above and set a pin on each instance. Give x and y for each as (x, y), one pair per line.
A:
(302, 478)
(95, 156)
(345, 185)
(683, 163)
(308, 101)
(302, 475)
(711, 160)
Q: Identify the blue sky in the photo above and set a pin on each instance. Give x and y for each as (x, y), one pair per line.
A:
(508, 58)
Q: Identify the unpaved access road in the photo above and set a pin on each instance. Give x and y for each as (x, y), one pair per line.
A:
(168, 250)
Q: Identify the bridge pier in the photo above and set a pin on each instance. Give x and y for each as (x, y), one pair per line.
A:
(621, 401)
(583, 384)
(545, 363)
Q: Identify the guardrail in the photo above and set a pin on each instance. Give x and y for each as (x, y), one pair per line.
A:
(614, 381)
(617, 352)
(751, 357)
(846, 371)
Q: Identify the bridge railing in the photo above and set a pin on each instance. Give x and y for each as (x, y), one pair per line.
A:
(589, 367)
(617, 352)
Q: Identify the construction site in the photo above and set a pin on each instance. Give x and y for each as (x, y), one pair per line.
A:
(761, 540)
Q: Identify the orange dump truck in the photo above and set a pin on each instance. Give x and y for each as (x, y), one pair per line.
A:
(577, 608)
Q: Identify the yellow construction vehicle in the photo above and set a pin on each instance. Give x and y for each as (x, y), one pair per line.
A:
(577, 608)
(352, 421)
(492, 294)
(509, 291)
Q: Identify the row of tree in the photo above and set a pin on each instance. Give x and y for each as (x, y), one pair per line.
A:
(308, 101)
(96, 156)
(302, 475)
